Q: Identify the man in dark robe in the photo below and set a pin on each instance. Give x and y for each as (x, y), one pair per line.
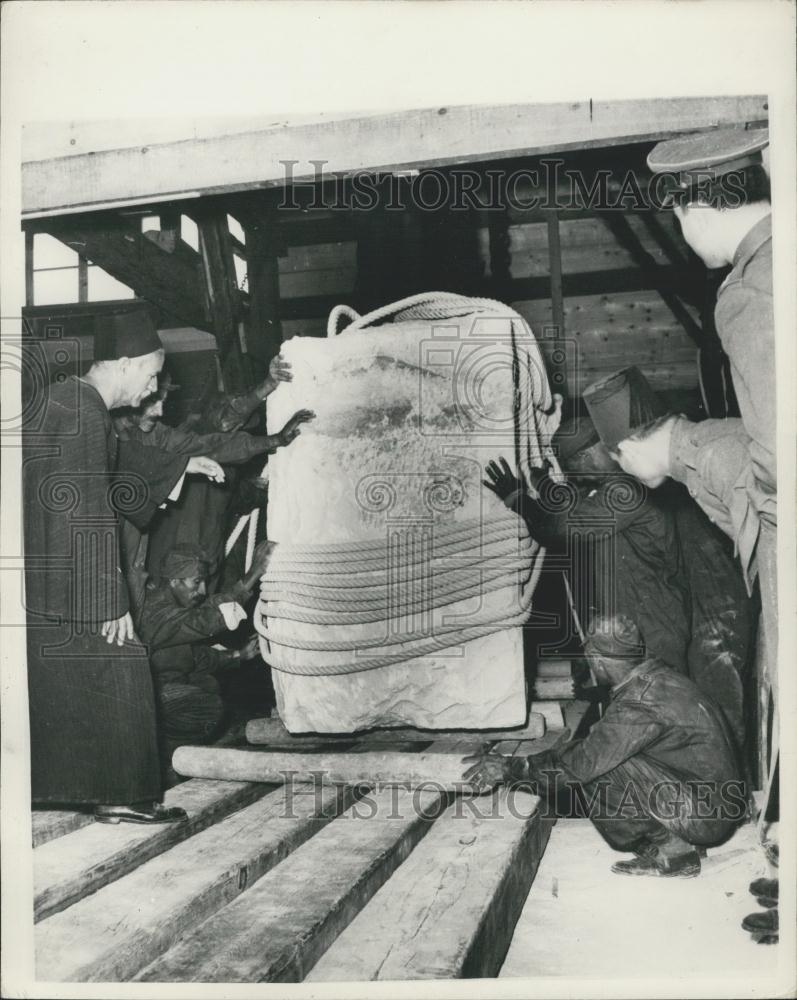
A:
(92, 712)
(658, 772)
(178, 620)
(143, 427)
(653, 558)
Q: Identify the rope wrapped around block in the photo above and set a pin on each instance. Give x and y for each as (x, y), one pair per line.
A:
(472, 560)
(413, 593)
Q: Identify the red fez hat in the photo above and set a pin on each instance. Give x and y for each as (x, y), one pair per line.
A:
(621, 404)
(128, 334)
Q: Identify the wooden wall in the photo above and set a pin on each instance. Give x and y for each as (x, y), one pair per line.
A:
(614, 311)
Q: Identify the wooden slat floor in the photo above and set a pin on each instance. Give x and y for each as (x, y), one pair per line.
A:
(265, 883)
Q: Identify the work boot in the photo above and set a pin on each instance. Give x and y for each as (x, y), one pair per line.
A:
(672, 858)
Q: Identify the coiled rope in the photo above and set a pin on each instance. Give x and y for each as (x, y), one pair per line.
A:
(406, 591)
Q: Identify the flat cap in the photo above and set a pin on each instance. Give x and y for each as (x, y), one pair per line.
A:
(183, 561)
(717, 152)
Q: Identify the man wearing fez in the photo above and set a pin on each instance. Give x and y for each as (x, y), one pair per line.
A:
(92, 712)
(143, 426)
(657, 772)
(178, 620)
(654, 559)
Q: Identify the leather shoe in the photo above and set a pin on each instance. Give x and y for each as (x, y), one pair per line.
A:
(685, 865)
(766, 887)
(762, 921)
(152, 812)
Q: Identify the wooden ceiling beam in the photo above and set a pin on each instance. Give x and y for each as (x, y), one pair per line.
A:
(395, 142)
(170, 281)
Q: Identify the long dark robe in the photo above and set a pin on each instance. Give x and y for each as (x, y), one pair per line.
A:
(92, 711)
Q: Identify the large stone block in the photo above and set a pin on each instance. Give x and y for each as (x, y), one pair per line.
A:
(408, 414)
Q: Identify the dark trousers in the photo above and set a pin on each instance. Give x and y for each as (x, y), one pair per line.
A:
(187, 714)
(642, 802)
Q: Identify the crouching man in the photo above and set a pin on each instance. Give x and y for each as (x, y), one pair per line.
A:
(177, 621)
(658, 771)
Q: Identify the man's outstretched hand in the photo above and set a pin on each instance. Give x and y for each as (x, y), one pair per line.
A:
(486, 770)
(279, 370)
(205, 466)
(292, 429)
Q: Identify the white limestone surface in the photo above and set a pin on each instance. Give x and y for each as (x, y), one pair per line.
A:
(407, 417)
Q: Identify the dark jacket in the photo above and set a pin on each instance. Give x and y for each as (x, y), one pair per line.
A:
(659, 714)
(177, 637)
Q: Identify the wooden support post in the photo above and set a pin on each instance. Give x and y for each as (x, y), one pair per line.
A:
(263, 327)
(28, 268)
(222, 295)
(82, 279)
(558, 354)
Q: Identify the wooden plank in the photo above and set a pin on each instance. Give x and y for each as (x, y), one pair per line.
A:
(318, 257)
(221, 285)
(272, 731)
(29, 298)
(264, 330)
(277, 930)
(558, 356)
(554, 667)
(395, 141)
(104, 938)
(47, 824)
(70, 868)
(450, 909)
(444, 770)
(330, 281)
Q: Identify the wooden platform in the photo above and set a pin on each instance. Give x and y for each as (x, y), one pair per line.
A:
(272, 884)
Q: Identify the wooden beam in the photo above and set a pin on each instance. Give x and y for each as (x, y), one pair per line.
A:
(82, 279)
(29, 268)
(450, 910)
(70, 868)
(362, 767)
(278, 930)
(558, 355)
(221, 290)
(263, 326)
(49, 824)
(631, 279)
(627, 238)
(171, 282)
(389, 142)
(111, 935)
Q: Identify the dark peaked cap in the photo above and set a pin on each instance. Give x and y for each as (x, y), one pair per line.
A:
(129, 334)
(708, 154)
(621, 404)
(183, 561)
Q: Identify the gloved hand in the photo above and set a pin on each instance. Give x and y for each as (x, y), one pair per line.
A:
(504, 483)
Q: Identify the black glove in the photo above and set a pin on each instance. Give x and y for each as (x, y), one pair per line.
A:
(504, 483)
